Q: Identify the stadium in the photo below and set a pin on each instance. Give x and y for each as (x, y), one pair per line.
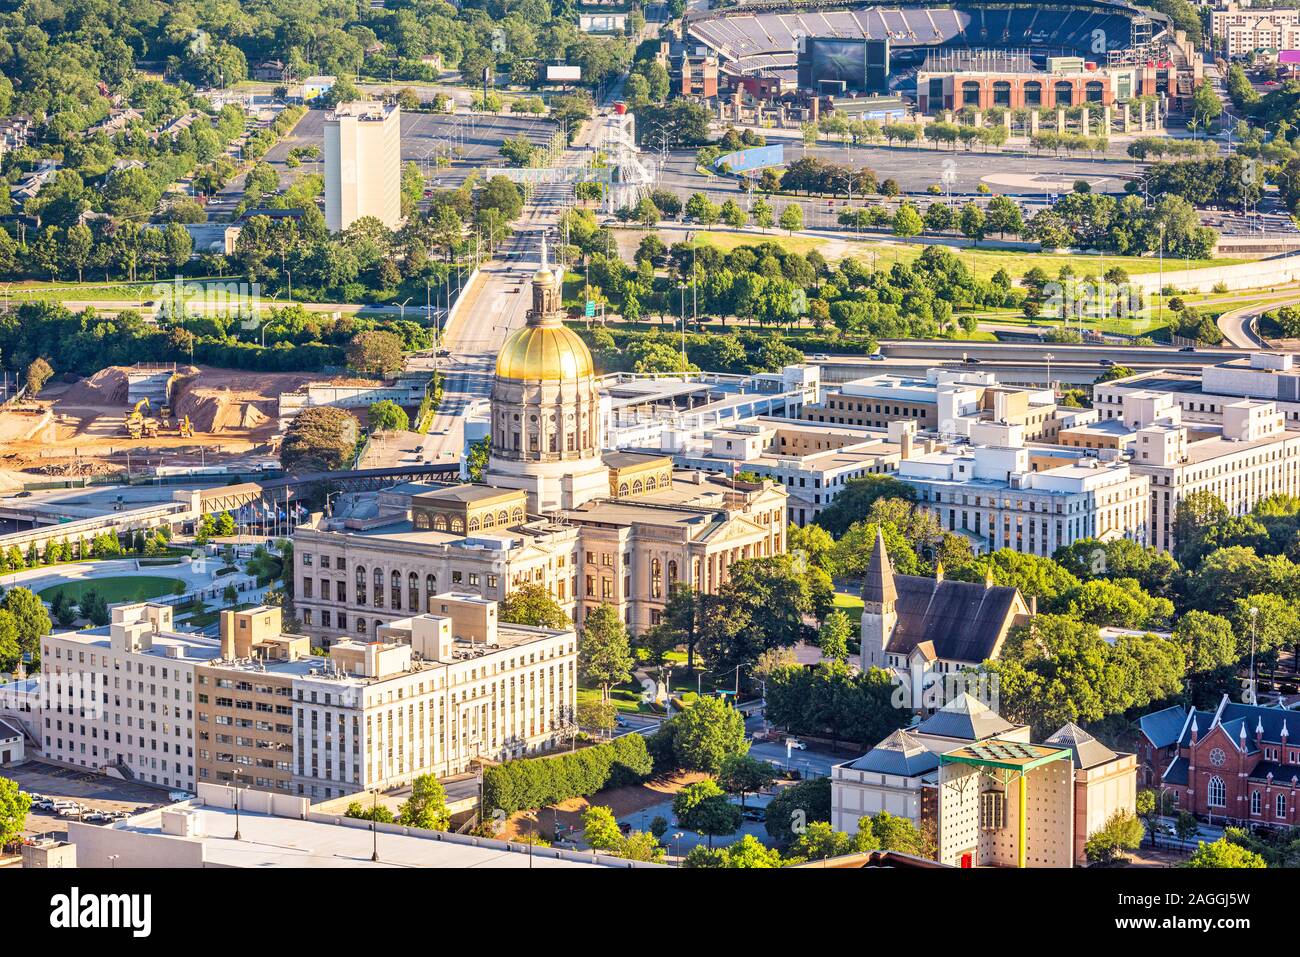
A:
(949, 55)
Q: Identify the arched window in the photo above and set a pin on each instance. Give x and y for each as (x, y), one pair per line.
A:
(413, 591)
(622, 489)
(656, 579)
(1094, 91)
(1217, 795)
(1033, 93)
(672, 573)
(1279, 806)
(361, 626)
(1064, 93)
(970, 93)
(473, 523)
(503, 518)
(457, 525)
(1002, 93)
(440, 523)
(650, 483)
(430, 589)
(665, 480)
(421, 519)
(395, 589)
(637, 487)
(489, 520)
(379, 588)
(360, 596)
(1255, 802)
(517, 514)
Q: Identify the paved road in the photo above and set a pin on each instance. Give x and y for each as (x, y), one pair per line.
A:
(493, 306)
(1238, 326)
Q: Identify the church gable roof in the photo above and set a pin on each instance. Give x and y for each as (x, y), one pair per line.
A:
(965, 621)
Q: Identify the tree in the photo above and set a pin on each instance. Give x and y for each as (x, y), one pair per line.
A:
(854, 500)
(750, 852)
(892, 833)
(31, 620)
(388, 416)
(600, 829)
(1186, 826)
(14, 805)
(375, 352)
(833, 638)
(762, 213)
(703, 807)
(742, 774)
(38, 373)
(641, 846)
(476, 460)
(907, 221)
(792, 218)
(604, 652)
(706, 733)
(794, 808)
(598, 715)
(427, 805)
(1223, 853)
(532, 604)
(1121, 832)
(320, 439)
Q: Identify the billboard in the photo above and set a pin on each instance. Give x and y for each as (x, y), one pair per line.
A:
(1288, 56)
(745, 161)
(563, 74)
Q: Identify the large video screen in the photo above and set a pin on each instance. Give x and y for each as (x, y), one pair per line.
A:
(839, 60)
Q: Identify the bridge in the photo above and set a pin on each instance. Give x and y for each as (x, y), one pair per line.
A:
(288, 487)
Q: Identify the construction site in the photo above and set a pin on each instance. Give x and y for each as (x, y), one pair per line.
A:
(149, 419)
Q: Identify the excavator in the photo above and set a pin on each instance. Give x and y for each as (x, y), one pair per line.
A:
(186, 428)
(137, 424)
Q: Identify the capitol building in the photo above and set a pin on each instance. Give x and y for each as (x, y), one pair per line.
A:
(554, 509)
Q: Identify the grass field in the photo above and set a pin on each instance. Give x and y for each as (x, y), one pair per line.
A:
(115, 588)
(851, 605)
(983, 262)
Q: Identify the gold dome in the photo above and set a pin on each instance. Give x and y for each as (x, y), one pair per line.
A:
(544, 352)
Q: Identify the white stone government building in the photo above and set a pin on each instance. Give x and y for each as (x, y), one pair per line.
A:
(554, 509)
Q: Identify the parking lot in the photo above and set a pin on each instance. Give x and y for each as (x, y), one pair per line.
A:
(92, 791)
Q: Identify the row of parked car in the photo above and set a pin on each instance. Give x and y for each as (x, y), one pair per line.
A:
(72, 809)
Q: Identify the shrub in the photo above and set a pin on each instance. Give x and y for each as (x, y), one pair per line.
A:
(539, 782)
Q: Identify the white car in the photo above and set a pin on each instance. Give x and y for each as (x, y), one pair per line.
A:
(180, 795)
(796, 744)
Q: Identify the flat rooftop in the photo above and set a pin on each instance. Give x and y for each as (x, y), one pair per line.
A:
(268, 841)
(200, 646)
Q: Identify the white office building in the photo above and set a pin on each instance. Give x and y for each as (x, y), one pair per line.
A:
(363, 164)
(120, 699)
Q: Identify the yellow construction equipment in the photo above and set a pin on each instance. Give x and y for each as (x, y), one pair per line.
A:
(137, 425)
(187, 430)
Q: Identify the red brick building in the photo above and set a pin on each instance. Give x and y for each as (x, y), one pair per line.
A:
(1239, 762)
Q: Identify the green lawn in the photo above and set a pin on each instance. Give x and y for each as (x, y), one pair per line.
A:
(625, 697)
(851, 605)
(983, 262)
(115, 588)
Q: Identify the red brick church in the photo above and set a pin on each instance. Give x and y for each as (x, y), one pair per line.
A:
(1238, 762)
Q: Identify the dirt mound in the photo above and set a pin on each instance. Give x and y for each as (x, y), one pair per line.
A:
(106, 387)
(220, 410)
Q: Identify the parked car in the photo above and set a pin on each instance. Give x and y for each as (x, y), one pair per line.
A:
(180, 795)
(796, 744)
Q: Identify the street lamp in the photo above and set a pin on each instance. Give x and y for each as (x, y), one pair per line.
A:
(236, 788)
(1254, 615)
(374, 826)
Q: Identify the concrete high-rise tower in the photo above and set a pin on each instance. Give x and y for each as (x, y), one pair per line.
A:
(363, 164)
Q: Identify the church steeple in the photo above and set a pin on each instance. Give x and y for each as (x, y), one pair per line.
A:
(879, 596)
(878, 586)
